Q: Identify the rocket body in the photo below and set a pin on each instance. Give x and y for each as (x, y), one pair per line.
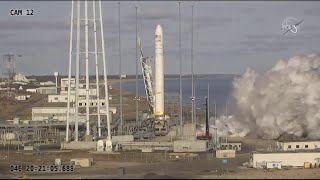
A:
(159, 74)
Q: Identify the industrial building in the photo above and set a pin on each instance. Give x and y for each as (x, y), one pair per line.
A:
(53, 113)
(191, 146)
(21, 97)
(82, 92)
(290, 159)
(60, 113)
(47, 90)
(82, 162)
(294, 146)
(20, 79)
(64, 84)
(31, 90)
(231, 145)
(81, 101)
(225, 153)
(47, 83)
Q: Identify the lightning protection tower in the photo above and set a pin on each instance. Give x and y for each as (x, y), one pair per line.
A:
(10, 66)
(81, 21)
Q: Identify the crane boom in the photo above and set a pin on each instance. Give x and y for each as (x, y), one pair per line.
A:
(147, 79)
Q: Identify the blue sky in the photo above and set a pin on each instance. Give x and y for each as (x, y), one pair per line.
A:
(228, 36)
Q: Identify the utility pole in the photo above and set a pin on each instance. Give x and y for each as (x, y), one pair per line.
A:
(207, 119)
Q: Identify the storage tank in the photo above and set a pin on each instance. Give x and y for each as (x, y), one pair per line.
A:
(100, 145)
(8, 136)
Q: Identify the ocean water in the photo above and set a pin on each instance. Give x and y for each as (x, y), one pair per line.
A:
(220, 92)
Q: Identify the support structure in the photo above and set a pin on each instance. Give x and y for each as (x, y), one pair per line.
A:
(97, 65)
(87, 67)
(98, 57)
(147, 79)
(137, 90)
(108, 142)
(180, 68)
(69, 73)
(192, 83)
(120, 74)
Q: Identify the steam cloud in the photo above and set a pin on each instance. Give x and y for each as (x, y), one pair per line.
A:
(285, 99)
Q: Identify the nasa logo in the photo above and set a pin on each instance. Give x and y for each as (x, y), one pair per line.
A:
(290, 24)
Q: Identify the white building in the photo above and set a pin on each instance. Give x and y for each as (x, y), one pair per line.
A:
(21, 97)
(60, 98)
(82, 101)
(31, 90)
(19, 78)
(231, 145)
(56, 113)
(82, 92)
(294, 146)
(292, 159)
(65, 84)
(60, 113)
(47, 90)
(47, 83)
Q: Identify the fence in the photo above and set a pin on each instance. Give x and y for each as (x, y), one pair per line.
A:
(42, 157)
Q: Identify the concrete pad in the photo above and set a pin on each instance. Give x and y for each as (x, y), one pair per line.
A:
(79, 145)
(104, 152)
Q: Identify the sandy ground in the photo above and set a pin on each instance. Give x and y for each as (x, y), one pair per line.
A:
(195, 169)
(202, 168)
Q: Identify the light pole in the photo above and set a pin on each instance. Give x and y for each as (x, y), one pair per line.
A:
(192, 82)
(137, 104)
(192, 107)
(120, 70)
(216, 137)
(137, 99)
(227, 132)
(180, 65)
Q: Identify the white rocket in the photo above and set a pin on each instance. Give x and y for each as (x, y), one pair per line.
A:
(159, 75)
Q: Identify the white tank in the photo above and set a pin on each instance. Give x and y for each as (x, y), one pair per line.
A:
(8, 136)
(109, 145)
(56, 74)
(100, 145)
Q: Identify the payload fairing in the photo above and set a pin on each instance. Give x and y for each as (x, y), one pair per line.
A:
(159, 74)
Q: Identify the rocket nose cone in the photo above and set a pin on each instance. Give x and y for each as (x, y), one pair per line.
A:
(159, 29)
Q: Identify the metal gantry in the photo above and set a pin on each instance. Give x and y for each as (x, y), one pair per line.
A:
(147, 79)
(97, 56)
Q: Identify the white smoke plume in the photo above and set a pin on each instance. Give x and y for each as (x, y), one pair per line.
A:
(285, 99)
